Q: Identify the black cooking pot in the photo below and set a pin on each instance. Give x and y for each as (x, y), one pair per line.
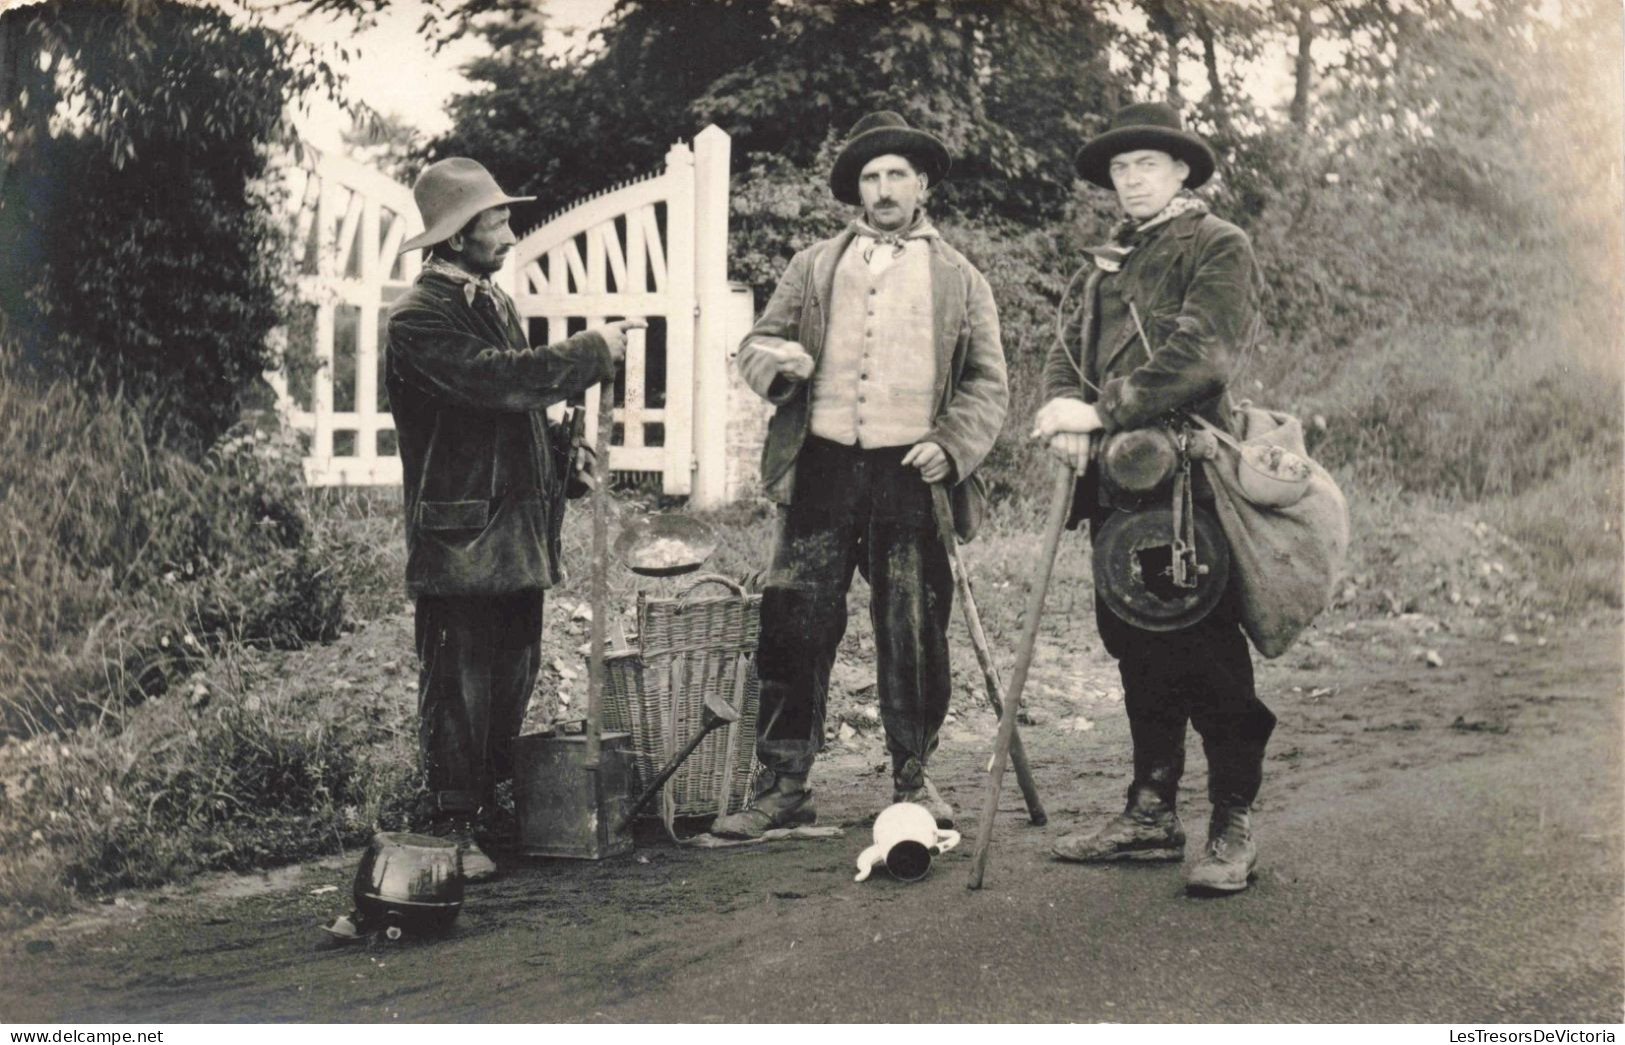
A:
(410, 882)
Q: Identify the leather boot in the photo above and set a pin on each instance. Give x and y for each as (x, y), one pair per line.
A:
(784, 801)
(1227, 863)
(910, 783)
(1147, 829)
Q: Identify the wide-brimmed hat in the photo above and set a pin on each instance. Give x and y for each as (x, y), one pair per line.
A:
(449, 193)
(1146, 125)
(879, 134)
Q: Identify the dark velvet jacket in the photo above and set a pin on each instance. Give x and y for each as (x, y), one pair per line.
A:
(467, 393)
(1196, 288)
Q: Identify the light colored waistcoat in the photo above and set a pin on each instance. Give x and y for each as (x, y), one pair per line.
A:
(877, 373)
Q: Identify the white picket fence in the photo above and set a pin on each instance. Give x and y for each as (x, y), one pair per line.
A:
(654, 248)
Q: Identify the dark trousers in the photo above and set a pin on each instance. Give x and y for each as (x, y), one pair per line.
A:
(477, 662)
(1203, 675)
(854, 509)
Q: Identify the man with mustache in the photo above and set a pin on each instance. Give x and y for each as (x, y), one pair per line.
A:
(880, 348)
(467, 392)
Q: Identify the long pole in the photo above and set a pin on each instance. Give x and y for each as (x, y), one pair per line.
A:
(1060, 501)
(600, 567)
(984, 655)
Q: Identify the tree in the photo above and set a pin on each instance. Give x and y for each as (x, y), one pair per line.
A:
(561, 128)
(139, 249)
(1003, 84)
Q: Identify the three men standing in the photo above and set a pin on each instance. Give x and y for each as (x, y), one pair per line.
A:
(880, 348)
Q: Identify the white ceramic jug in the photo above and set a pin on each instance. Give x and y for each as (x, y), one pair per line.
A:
(906, 837)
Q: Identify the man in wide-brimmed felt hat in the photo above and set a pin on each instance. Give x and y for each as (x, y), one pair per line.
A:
(467, 392)
(1170, 304)
(880, 349)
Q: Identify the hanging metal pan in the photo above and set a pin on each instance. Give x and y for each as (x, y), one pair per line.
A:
(665, 544)
(1132, 567)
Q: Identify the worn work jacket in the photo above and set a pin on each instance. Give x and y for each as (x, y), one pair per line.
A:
(972, 390)
(1196, 287)
(467, 392)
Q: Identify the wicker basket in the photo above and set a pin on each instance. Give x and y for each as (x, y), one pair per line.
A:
(689, 646)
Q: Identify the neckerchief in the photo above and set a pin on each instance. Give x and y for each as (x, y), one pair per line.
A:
(472, 285)
(1128, 233)
(919, 228)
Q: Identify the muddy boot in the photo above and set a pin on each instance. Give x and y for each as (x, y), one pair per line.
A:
(1227, 863)
(786, 801)
(910, 783)
(1147, 829)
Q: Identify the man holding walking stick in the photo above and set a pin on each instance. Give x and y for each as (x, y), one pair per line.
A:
(1169, 305)
(880, 349)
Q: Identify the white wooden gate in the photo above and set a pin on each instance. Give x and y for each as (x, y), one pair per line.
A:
(349, 224)
(654, 248)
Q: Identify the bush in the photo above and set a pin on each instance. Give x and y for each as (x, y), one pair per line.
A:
(127, 562)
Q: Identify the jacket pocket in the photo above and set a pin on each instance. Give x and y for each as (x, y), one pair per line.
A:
(454, 515)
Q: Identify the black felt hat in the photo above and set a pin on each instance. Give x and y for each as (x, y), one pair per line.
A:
(879, 134)
(1146, 125)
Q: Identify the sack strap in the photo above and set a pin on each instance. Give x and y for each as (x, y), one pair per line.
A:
(1218, 433)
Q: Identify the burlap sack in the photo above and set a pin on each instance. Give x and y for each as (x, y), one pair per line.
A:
(1286, 560)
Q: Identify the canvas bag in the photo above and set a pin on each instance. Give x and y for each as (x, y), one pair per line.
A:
(1285, 560)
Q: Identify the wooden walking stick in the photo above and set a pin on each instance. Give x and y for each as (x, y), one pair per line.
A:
(984, 657)
(600, 572)
(1060, 501)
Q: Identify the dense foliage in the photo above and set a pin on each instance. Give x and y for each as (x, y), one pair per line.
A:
(142, 271)
(139, 249)
(129, 565)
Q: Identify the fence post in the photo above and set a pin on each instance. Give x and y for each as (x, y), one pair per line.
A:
(678, 478)
(327, 217)
(711, 148)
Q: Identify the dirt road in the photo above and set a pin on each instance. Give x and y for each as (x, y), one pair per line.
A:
(1438, 844)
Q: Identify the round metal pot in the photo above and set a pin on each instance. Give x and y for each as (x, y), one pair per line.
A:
(1138, 462)
(410, 882)
(1132, 567)
(665, 544)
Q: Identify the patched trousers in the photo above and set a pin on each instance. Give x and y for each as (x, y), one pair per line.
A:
(862, 510)
(478, 657)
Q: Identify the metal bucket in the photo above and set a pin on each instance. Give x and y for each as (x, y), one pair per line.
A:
(567, 808)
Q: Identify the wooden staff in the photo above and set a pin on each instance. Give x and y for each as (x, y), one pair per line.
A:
(1060, 501)
(600, 568)
(984, 656)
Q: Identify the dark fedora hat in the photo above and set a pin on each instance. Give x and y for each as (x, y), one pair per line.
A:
(879, 134)
(1145, 125)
